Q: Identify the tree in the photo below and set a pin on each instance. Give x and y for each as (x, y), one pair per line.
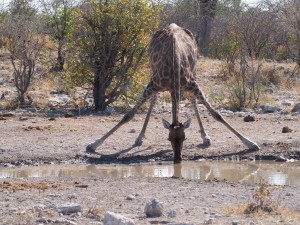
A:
(108, 44)
(57, 25)
(24, 44)
(196, 15)
(291, 19)
(255, 28)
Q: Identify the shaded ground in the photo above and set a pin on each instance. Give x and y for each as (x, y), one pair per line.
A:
(34, 140)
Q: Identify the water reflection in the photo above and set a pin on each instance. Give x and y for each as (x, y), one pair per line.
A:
(250, 172)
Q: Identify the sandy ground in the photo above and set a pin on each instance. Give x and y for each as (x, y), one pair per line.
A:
(35, 140)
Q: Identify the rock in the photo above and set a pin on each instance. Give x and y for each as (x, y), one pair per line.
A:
(153, 208)
(296, 108)
(182, 223)
(23, 118)
(111, 218)
(249, 118)
(281, 159)
(7, 114)
(172, 214)
(132, 130)
(130, 197)
(68, 208)
(286, 103)
(269, 108)
(235, 223)
(209, 221)
(69, 115)
(286, 130)
(72, 196)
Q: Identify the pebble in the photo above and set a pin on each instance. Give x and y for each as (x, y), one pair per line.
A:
(130, 197)
(68, 208)
(153, 208)
(172, 214)
(209, 221)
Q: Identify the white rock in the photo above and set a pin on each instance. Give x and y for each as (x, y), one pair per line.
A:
(130, 197)
(172, 214)
(111, 218)
(68, 208)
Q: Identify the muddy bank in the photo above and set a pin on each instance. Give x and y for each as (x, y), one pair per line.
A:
(43, 140)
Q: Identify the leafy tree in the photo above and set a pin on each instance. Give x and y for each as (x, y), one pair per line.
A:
(58, 14)
(108, 43)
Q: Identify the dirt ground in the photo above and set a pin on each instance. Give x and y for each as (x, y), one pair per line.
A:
(36, 140)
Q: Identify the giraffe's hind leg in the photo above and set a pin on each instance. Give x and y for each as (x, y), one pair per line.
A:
(204, 136)
(196, 91)
(149, 91)
(139, 140)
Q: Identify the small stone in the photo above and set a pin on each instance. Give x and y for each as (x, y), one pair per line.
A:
(286, 130)
(130, 197)
(235, 223)
(172, 214)
(72, 196)
(69, 115)
(111, 218)
(132, 131)
(23, 118)
(68, 208)
(296, 108)
(183, 223)
(209, 221)
(249, 118)
(153, 208)
(280, 159)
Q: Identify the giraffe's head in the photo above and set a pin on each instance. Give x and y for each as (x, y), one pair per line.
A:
(177, 137)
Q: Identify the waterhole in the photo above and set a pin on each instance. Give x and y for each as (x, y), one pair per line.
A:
(249, 172)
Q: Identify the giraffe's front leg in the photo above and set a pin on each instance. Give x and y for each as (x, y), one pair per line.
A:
(194, 88)
(204, 135)
(140, 138)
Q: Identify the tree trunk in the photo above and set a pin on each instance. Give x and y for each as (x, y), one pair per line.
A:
(60, 61)
(207, 14)
(99, 93)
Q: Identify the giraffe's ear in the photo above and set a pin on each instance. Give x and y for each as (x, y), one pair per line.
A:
(166, 124)
(187, 123)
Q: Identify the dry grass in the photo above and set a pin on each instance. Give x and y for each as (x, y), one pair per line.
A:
(264, 207)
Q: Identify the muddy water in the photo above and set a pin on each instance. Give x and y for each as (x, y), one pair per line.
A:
(249, 172)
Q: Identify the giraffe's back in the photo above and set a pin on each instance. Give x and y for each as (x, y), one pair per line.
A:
(172, 47)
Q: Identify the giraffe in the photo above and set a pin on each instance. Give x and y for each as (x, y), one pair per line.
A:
(173, 54)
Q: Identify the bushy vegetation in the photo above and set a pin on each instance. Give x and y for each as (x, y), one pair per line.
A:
(102, 45)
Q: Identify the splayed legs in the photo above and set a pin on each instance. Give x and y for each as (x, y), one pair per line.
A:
(149, 91)
(196, 91)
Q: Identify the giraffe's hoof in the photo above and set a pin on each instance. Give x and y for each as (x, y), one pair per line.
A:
(206, 141)
(252, 145)
(90, 149)
(139, 140)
